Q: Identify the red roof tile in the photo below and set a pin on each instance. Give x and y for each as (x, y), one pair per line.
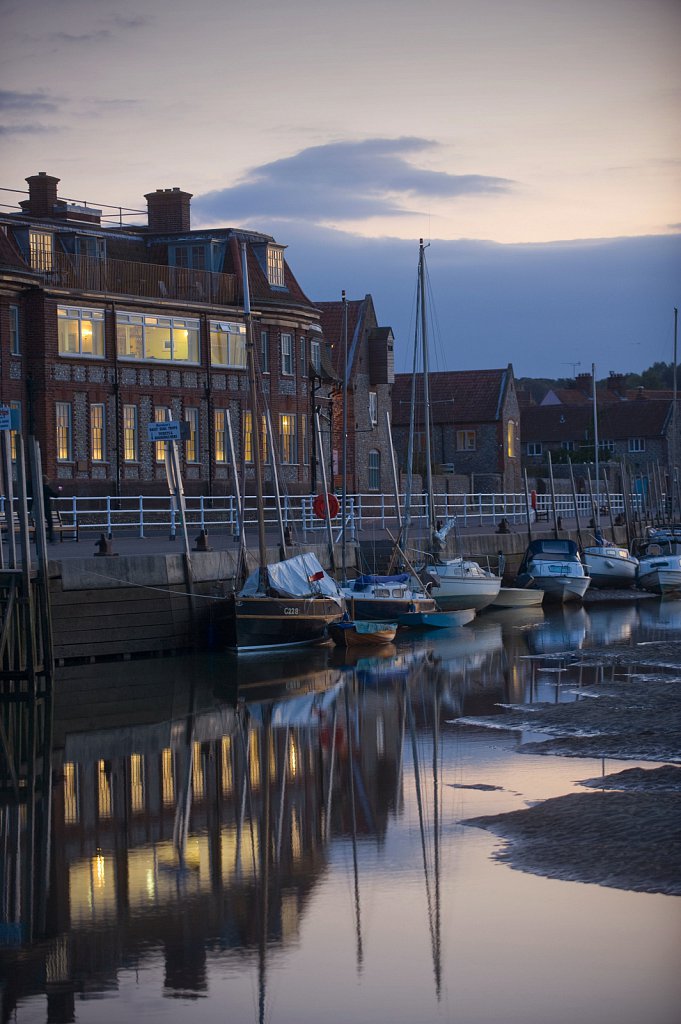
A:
(456, 396)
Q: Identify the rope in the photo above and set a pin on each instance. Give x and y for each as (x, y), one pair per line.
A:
(147, 586)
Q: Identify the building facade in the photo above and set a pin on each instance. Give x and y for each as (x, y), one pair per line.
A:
(106, 328)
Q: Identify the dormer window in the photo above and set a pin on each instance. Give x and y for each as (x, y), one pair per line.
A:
(275, 265)
(41, 246)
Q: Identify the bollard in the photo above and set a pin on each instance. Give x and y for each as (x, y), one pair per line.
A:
(202, 542)
(105, 546)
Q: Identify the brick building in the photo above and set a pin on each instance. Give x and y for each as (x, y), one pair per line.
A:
(475, 433)
(105, 328)
(371, 373)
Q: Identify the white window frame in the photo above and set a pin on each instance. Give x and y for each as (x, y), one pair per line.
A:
(636, 445)
(97, 432)
(130, 433)
(568, 446)
(374, 467)
(90, 325)
(288, 438)
(41, 250)
(220, 443)
(234, 347)
(14, 335)
(286, 344)
(64, 431)
(606, 446)
(147, 322)
(275, 266)
(535, 448)
(373, 408)
(316, 355)
(248, 437)
(466, 441)
(265, 351)
(161, 415)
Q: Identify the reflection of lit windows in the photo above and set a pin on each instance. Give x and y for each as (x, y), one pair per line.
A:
(136, 783)
(292, 757)
(92, 890)
(167, 777)
(70, 793)
(227, 773)
(380, 736)
(254, 760)
(296, 843)
(197, 772)
(80, 332)
(104, 792)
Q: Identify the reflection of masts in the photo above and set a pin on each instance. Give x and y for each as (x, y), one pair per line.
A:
(264, 859)
(358, 919)
(433, 911)
(184, 802)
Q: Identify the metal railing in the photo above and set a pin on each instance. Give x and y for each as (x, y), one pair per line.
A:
(145, 514)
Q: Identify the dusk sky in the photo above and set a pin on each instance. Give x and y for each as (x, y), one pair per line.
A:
(535, 143)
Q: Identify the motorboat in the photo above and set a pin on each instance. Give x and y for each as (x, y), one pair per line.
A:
(554, 566)
(517, 597)
(397, 598)
(461, 583)
(609, 565)
(659, 557)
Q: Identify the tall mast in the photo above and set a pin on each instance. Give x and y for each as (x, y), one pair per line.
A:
(255, 419)
(426, 384)
(597, 511)
(344, 492)
(673, 472)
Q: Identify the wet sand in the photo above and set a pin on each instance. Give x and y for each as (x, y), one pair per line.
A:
(627, 834)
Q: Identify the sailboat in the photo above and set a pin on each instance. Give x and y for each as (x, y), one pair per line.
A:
(457, 583)
(290, 602)
(608, 565)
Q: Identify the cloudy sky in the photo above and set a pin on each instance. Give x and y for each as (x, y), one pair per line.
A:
(536, 144)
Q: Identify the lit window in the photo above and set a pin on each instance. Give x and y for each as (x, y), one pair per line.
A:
(275, 266)
(265, 351)
(637, 444)
(41, 250)
(80, 331)
(465, 440)
(248, 437)
(227, 344)
(220, 435)
(130, 433)
(287, 438)
(191, 415)
(14, 336)
(161, 415)
(510, 439)
(63, 424)
(373, 408)
(16, 418)
(534, 448)
(97, 437)
(374, 470)
(287, 354)
(167, 338)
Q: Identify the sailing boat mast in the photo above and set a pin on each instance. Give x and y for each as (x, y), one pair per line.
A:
(426, 386)
(344, 492)
(255, 421)
(597, 510)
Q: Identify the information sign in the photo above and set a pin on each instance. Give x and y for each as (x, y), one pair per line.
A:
(168, 430)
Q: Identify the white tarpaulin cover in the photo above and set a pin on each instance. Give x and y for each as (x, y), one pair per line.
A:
(300, 576)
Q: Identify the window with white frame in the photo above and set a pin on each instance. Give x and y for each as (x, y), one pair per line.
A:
(149, 337)
(80, 332)
(191, 450)
(303, 357)
(190, 256)
(304, 440)
(161, 415)
(41, 248)
(606, 446)
(248, 437)
(64, 431)
(97, 432)
(534, 448)
(275, 265)
(287, 438)
(373, 408)
(637, 444)
(374, 480)
(220, 441)
(14, 336)
(567, 446)
(130, 433)
(465, 441)
(265, 351)
(228, 344)
(287, 354)
(316, 355)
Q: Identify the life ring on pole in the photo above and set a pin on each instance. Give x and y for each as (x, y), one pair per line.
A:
(533, 499)
(320, 503)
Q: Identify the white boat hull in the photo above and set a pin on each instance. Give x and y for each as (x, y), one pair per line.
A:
(610, 567)
(456, 587)
(518, 597)
(562, 589)
(660, 580)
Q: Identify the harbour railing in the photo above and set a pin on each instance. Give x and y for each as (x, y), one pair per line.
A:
(147, 514)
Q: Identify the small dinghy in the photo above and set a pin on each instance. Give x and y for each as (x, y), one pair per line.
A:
(362, 633)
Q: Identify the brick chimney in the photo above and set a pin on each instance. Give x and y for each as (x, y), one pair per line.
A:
(168, 210)
(617, 383)
(584, 382)
(42, 195)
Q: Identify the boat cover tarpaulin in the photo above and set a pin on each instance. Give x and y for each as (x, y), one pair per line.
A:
(307, 710)
(300, 576)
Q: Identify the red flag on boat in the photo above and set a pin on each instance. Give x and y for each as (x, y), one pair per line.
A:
(317, 576)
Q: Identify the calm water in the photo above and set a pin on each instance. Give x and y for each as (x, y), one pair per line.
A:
(280, 840)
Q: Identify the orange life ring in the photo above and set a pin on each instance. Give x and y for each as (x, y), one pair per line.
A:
(320, 503)
(533, 499)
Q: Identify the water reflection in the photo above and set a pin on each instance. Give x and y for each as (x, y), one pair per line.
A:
(200, 805)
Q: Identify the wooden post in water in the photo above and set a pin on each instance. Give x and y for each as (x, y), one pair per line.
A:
(553, 496)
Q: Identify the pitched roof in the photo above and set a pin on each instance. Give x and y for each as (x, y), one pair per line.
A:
(645, 417)
(333, 328)
(456, 396)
